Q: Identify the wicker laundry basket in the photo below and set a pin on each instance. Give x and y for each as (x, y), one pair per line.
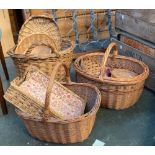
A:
(117, 93)
(55, 130)
(41, 24)
(22, 57)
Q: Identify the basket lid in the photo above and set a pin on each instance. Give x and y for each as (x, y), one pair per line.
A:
(123, 73)
(64, 103)
(40, 24)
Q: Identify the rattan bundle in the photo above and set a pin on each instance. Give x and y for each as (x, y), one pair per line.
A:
(22, 56)
(65, 131)
(43, 24)
(117, 93)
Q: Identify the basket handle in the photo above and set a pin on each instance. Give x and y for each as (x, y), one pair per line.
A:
(50, 85)
(27, 72)
(39, 44)
(105, 58)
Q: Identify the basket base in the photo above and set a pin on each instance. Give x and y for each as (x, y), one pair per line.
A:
(59, 136)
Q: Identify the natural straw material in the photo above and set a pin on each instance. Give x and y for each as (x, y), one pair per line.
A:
(117, 93)
(75, 130)
(43, 24)
(45, 62)
(44, 91)
(34, 40)
(61, 102)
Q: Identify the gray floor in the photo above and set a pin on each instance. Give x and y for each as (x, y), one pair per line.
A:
(134, 126)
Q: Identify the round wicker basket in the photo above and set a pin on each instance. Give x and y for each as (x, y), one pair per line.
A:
(117, 93)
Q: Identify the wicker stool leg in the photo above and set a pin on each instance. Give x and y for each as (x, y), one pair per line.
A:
(3, 63)
(2, 101)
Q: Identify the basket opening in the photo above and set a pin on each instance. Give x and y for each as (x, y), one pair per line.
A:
(87, 93)
(92, 65)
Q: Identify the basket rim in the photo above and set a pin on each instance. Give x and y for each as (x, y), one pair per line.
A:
(57, 120)
(44, 36)
(68, 50)
(112, 80)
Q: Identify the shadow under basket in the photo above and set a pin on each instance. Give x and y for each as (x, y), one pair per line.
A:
(66, 131)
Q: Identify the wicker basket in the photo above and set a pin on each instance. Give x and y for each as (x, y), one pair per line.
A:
(43, 62)
(41, 24)
(117, 93)
(36, 90)
(55, 130)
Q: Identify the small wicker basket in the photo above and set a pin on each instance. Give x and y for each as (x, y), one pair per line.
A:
(22, 57)
(117, 93)
(41, 24)
(74, 130)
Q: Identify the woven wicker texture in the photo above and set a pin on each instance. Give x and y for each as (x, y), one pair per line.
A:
(44, 62)
(66, 131)
(35, 40)
(40, 89)
(62, 102)
(117, 93)
(41, 24)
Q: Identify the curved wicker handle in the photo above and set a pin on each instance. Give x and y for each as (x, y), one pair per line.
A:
(105, 58)
(28, 72)
(50, 85)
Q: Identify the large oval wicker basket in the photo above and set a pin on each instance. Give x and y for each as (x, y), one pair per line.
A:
(22, 57)
(43, 24)
(66, 131)
(117, 93)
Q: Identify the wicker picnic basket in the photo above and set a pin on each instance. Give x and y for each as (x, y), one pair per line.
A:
(56, 130)
(117, 93)
(36, 90)
(22, 56)
(43, 24)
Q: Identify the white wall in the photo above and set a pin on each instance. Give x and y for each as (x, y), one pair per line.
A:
(7, 37)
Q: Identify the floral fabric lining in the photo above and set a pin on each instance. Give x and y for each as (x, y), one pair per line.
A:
(63, 103)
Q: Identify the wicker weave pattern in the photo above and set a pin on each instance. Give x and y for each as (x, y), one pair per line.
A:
(41, 24)
(30, 103)
(116, 93)
(45, 64)
(62, 133)
(113, 97)
(34, 40)
(66, 131)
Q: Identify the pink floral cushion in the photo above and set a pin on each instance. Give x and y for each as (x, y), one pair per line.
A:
(63, 102)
